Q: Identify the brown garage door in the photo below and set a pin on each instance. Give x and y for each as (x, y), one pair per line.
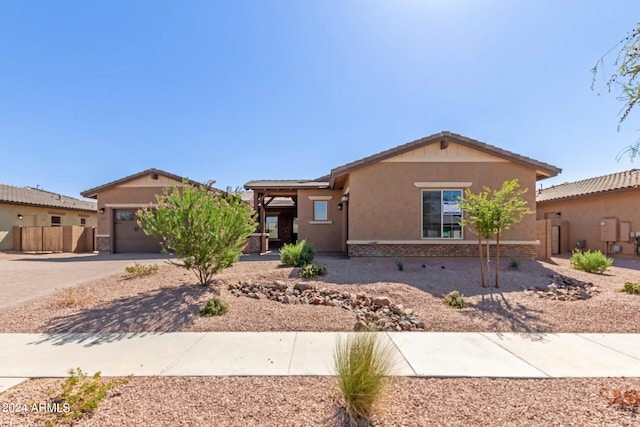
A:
(128, 235)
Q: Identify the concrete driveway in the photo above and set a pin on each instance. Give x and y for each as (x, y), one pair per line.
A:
(28, 276)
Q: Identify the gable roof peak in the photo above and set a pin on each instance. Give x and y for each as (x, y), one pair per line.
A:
(93, 192)
(543, 170)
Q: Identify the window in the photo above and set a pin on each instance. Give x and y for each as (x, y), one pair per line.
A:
(56, 221)
(83, 222)
(271, 226)
(441, 214)
(125, 216)
(320, 210)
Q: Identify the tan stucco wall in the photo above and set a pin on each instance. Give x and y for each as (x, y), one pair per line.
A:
(124, 197)
(326, 236)
(582, 217)
(36, 216)
(385, 204)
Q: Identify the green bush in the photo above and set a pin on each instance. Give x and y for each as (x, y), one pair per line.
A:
(213, 307)
(312, 270)
(80, 395)
(514, 262)
(204, 228)
(454, 299)
(632, 288)
(137, 269)
(297, 254)
(400, 263)
(591, 262)
(361, 363)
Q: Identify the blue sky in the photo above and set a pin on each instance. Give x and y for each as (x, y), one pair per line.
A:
(233, 91)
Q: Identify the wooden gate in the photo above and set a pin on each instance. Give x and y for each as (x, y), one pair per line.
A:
(53, 239)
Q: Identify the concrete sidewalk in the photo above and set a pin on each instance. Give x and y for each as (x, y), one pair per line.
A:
(422, 354)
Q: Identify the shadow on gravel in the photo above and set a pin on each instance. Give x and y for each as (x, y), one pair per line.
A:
(161, 310)
(496, 310)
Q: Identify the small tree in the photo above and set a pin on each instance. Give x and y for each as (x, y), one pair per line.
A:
(488, 214)
(477, 219)
(205, 228)
(507, 208)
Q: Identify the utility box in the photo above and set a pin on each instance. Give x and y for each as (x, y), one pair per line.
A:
(625, 231)
(609, 229)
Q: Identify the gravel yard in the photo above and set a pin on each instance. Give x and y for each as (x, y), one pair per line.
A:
(168, 300)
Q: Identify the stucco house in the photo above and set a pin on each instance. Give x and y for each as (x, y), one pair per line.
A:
(118, 202)
(402, 201)
(31, 207)
(598, 213)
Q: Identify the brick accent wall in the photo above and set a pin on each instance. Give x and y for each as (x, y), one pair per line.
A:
(435, 250)
(103, 244)
(254, 244)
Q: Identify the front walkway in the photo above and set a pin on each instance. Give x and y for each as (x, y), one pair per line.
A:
(422, 354)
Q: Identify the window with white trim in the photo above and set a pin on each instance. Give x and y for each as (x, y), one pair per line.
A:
(320, 210)
(441, 214)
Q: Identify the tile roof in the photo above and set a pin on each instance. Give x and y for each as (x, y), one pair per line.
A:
(543, 170)
(92, 193)
(602, 184)
(35, 197)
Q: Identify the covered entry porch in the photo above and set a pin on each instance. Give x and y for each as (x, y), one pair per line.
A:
(278, 207)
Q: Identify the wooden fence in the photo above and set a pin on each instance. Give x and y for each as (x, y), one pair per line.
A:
(69, 238)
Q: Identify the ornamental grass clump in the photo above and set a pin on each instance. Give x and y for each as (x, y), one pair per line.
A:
(312, 270)
(631, 288)
(80, 395)
(297, 254)
(138, 270)
(214, 307)
(362, 364)
(454, 299)
(591, 262)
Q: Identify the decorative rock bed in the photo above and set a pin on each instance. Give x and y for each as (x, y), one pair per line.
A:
(372, 313)
(563, 288)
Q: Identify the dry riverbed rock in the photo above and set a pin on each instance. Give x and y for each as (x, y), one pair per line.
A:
(372, 313)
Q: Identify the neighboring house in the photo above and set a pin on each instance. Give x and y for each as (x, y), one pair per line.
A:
(401, 202)
(599, 213)
(26, 207)
(118, 201)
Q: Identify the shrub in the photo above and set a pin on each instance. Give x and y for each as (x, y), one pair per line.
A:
(73, 297)
(312, 270)
(361, 363)
(137, 269)
(591, 262)
(514, 262)
(297, 254)
(454, 299)
(213, 307)
(80, 395)
(624, 399)
(205, 228)
(400, 263)
(632, 288)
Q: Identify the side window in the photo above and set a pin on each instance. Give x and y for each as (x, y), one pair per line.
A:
(320, 210)
(441, 214)
(56, 221)
(83, 222)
